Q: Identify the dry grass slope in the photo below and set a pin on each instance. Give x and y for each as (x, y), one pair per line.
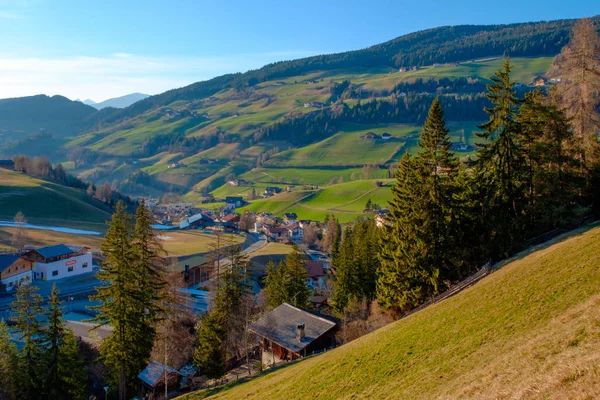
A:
(529, 331)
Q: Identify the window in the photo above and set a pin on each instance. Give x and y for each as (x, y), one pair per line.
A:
(84, 265)
(54, 273)
(70, 269)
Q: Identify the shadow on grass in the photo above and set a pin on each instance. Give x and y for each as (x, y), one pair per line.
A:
(205, 393)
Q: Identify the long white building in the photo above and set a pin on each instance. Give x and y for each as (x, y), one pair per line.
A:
(60, 261)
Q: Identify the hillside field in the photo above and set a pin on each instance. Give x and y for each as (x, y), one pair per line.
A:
(531, 330)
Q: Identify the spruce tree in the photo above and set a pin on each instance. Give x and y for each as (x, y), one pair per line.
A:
(275, 288)
(398, 283)
(119, 299)
(27, 308)
(296, 275)
(9, 358)
(147, 270)
(501, 168)
(71, 368)
(54, 338)
(209, 356)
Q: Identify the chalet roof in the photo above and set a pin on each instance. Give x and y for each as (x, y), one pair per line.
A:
(280, 325)
(230, 217)
(6, 260)
(314, 268)
(154, 371)
(234, 199)
(291, 215)
(56, 250)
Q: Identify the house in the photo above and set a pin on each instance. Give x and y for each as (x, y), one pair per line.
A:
(402, 69)
(386, 136)
(315, 274)
(414, 68)
(275, 232)
(59, 261)
(290, 218)
(233, 182)
(14, 270)
(372, 136)
(231, 221)
(153, 378)
(272, 190)
(294, 232)
(303, 223)
(7, 164)
(197, 221)
(233, 202)
(288, 333)
(316, 104)
(540, 82)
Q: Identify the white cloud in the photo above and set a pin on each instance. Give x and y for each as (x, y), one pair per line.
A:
(100, 78)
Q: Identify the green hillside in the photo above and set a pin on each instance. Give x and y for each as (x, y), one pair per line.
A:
(530, 330)
(287, 116)
(46, 202)
(345, 200)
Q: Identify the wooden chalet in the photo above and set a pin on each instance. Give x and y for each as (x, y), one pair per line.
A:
(288, 333)
(153, 379)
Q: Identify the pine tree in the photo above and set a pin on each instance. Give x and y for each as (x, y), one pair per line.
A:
(118, 302)
(209, 356)
(296, 275)
(501, 167)
(54, 338)
(8, 364)
(27, 307)
(275, 289)
(71, 368)
(66, 376)
(345, 288)
(398, 283)
(147, 270)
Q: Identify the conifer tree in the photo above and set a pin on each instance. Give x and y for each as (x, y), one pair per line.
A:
(66, 376)
(296, 275)
(345, 288)
(209, 356)
(147, 270)
(118, 301)
(578, 68)
(398, 283)
(8, 364)
(54, 338)
(72, 368)
(275, 289)
(27, 307)
(501, 167)
(419, 243)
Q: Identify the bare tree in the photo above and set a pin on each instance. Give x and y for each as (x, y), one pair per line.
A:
(578, 68)
(247, 221)
(19, 237)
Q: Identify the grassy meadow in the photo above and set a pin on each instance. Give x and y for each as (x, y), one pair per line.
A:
(530, 330)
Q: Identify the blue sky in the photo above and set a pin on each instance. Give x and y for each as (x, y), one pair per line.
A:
(106, 48)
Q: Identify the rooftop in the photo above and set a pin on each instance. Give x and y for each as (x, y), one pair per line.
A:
(154, 371)
(56, 250)
(280, 325)
(314, 268)
(6, 260)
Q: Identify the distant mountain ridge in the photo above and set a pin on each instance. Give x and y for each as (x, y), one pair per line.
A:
(116, 102)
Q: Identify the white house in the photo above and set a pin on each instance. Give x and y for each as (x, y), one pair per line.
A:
(294, 232)
(59, 261)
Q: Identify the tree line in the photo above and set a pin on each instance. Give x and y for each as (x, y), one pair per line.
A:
(536, 169)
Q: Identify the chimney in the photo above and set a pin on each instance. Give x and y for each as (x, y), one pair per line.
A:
(300, 332)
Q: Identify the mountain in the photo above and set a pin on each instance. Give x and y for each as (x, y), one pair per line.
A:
(37, 125)
(118, 102)
(88, 102)
(303, 122)
(529, 330)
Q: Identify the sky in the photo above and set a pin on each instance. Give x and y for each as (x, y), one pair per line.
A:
(101, 49)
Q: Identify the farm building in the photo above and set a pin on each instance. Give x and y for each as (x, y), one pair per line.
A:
(288, 333)
(234, 202)
(59, 261)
